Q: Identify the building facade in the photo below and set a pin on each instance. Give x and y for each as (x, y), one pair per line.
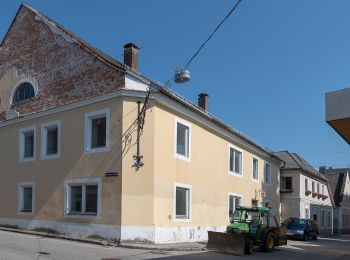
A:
(70, 130)
(340, 189)
(305, 193)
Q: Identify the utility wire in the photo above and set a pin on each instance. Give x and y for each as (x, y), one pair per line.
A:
(211, 35)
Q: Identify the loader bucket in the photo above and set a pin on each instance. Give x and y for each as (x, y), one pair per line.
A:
(227, 243)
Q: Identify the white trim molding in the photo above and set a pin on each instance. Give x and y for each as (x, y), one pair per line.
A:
(188, 140)
(188, 200)
(83, 183)
(233, 173)
(22, 185)
(44, 128)
(21, 143)
(254, 158)
(228, 202)
(18, 83)
(87, 131)
(267, 183)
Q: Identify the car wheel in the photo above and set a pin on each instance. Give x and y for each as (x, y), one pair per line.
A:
(269, 243)
(249, 246)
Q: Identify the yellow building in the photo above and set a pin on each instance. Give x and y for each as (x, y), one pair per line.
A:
(68, 136)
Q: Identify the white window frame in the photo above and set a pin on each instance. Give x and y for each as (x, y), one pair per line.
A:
(253, 179)
(184, 186)
(21, 144)
(228, 202)
(18, 83)
(267, 183)
(83, 182)
(187, 124)
(88, 118)
(233, 173)
(22, 185)
(44, 127)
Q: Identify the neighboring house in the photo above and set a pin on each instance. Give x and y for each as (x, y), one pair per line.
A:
(340, 186)
(305, 193)
(69, 136)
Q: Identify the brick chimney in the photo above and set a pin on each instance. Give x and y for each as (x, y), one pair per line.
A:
(131, 53)
(203, 101)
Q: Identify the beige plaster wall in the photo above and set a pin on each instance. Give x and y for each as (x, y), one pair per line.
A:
(207, 172)
(49, 175)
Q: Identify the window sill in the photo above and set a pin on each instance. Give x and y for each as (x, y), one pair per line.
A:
(240, 175)
(51, 156)
(25, 213)
(88, 216)
(182, 157)
(24, 160)
(182, 219)
(96, 150)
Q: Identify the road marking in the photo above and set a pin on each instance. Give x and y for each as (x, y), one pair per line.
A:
(335, 239)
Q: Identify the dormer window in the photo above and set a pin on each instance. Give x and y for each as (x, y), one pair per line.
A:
(23, 92)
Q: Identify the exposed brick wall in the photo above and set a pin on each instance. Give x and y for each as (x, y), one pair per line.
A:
(65, 72)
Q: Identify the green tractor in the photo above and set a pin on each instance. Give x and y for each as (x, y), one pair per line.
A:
(249, 227)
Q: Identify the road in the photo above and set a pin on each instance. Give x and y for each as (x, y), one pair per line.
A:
(15, 246)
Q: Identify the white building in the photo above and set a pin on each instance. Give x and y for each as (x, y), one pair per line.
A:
(305, 193)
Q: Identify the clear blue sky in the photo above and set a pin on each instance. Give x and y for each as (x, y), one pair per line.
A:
(266, 70)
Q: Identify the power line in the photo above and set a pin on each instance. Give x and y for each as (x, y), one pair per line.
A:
(211, 35)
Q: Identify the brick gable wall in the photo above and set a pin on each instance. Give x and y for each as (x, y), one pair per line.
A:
(64, 70)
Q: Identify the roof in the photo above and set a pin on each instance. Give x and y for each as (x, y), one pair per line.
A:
(162, 89)
(337, 181)
(293, 161)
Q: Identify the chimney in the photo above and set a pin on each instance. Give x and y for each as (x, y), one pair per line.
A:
(203, 101)
(131, 52)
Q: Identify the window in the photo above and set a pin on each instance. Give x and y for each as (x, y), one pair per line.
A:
(182, 140)
(182, 204)
(26, 194)
(27, 144)
(235, 163)
(329, 218)
(306, 184)
(267, 173)
(82, 197)
(322, 189)
(286, 185)
(307, 213)
(254, 203)
(233, 202)
(322, 218)
(318, 188)
(255, 169)
(50, 140)
(313, 187)
(23, 91)
(97, 131)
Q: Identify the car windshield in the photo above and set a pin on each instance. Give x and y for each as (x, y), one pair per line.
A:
(245, 216)
(297, 223)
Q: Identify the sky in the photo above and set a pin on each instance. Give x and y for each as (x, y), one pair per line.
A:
(266, 70)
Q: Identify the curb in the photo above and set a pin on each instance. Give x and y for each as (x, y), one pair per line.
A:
(60, 236)
(160, 248)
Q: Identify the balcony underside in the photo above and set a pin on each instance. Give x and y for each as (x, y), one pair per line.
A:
(342, 127)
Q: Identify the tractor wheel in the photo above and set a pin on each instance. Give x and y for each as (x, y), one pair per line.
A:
(268, 244)
(249, 246)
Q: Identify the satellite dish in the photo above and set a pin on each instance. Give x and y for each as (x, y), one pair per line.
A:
(182, 76)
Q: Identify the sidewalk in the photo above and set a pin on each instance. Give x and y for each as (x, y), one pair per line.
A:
(189, 246)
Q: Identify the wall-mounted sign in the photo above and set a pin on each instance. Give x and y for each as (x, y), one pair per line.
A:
(111, 174)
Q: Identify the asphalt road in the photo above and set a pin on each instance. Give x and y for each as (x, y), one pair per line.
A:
(15, 246)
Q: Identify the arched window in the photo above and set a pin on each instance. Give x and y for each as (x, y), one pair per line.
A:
(24, 91)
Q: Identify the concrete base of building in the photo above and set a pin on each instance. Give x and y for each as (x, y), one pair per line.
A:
(139, 234)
